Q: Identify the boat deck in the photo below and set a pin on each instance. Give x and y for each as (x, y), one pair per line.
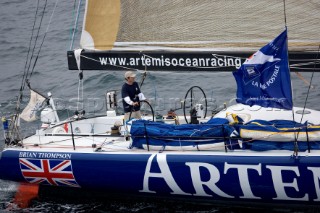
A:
(118, 145)
(92, 135)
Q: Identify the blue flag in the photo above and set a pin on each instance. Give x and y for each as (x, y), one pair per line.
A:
(264, 78)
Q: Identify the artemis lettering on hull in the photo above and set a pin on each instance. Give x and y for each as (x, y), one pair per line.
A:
(244, 173)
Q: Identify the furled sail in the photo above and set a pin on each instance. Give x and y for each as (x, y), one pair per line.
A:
(126, 33)
(36, 101)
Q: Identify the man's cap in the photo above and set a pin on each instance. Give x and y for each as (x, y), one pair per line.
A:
(129, 74)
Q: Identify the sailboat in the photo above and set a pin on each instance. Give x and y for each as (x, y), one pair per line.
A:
(237, 154)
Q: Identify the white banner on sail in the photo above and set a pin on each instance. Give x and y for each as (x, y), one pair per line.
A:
(29, 113)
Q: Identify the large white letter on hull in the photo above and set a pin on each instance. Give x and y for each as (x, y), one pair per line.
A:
(165, 174)
(279, 185)
(244, 178)
(211, 183)
(316, 177)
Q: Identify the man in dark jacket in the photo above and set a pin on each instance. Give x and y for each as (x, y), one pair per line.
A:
(131, 95)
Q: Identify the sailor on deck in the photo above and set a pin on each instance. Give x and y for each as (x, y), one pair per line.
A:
(131, 95)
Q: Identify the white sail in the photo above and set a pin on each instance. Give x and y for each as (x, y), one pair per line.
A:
(156, 24)
(29, 113)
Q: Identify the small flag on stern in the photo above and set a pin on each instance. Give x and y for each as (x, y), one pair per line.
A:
(35, 103)
(264, 78)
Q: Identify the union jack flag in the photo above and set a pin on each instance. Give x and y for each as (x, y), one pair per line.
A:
(48, 172)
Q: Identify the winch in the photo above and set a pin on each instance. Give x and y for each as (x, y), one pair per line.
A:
(115, 130)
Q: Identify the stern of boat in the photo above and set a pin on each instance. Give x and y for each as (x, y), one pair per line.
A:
(9, 166)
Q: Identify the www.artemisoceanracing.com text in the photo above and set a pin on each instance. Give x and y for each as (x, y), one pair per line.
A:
(162, 61)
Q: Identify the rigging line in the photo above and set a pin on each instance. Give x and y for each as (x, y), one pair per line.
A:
(308, 60)
(295, 144)
(44, 37)
(75, 25)
(305, 69)
(154, 83)
(82, 94)
(73, 18)
(301, 65)
(304, 80)
(304, 64)
(80, 87)
(284, 13)
(35, 42)
(310, 85)
(229, 56)
(26, 64)
(78, 94)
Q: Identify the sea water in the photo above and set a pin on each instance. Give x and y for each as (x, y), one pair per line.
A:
(165, 89)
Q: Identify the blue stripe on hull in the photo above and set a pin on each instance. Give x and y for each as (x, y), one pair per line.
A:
(276, 179)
